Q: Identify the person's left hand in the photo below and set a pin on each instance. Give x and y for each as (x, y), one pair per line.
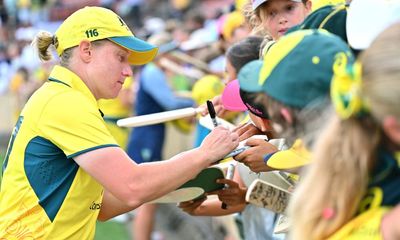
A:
(253, 157)
(232, 195)
(247, 130)
(218, 107)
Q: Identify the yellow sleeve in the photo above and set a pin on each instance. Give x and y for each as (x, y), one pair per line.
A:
(74, 124)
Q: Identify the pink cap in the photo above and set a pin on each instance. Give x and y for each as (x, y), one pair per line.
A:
(231, 97)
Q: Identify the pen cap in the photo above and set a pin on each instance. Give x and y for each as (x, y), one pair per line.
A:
(211, 109)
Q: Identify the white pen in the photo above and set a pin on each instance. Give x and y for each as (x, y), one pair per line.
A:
(229, 175)
(236, 151)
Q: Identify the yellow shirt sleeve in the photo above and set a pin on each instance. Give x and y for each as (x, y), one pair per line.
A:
(75, 126)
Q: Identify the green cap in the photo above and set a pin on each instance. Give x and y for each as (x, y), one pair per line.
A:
(331, 18)
(298, 69)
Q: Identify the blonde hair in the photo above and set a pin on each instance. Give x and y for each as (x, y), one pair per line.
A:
(42, 42)
(45, 42)
(346, 152)
(253, 20)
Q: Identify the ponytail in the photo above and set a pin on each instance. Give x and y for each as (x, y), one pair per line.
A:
(336, 180)
(42, 42)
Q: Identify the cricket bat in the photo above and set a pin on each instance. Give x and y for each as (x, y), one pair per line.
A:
(155, 118)
(266, 195)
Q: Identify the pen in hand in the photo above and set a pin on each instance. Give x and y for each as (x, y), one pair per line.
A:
(229, 175)
(212, 113)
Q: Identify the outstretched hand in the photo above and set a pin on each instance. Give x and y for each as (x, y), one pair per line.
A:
(219, 143)
(218, 106)
(253, 157)
(247, 130)
(232, 195)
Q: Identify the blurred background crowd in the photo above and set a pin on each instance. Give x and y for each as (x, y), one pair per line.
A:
(200, 29)
(193, 36)
(202, 46)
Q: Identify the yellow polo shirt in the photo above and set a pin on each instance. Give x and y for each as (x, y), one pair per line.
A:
(44, 193)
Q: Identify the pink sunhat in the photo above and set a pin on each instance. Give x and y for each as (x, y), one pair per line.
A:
(231, 97)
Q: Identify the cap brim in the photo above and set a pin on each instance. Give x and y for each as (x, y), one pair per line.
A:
(257, 3)
(142, 52)
(367, 18)
(293, 157)
(231, 97)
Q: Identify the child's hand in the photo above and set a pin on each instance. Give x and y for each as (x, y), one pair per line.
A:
(253, 157)
(232, 195)
(218, 106)
(192, 207)
(247, 130)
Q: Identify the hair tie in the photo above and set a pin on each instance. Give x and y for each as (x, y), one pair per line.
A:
(328, 213)
(346, 88)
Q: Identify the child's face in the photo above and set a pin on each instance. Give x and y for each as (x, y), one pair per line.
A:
(229, 71)
(280, 15)
(261, 123)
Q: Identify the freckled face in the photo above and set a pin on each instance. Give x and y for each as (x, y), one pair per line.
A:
(111, 69)
(280, 15)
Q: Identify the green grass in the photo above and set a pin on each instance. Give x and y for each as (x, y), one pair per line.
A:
(111, 230)
(2, 155)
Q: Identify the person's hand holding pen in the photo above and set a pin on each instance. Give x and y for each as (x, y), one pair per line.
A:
(231, 168)
(219, 143)
(211, 111)
(253, 157)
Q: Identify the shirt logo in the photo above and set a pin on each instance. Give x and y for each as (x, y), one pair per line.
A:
(95, 206)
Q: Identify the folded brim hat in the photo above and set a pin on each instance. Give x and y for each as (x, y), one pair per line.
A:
(367, 18)
(294, 157)
(231, 99)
